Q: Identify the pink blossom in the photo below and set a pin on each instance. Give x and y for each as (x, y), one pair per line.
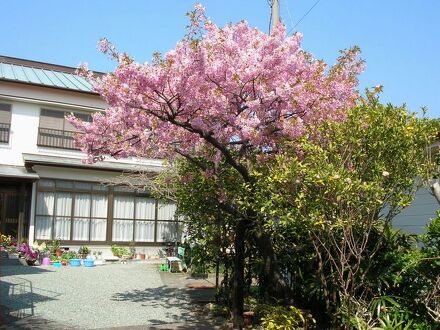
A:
(233, 88)
(103, 45)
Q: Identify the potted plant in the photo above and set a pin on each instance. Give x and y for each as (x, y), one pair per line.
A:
(54, 247)
(5, 241)
(83, 252)
(120, 251)
(12, 252)
(42, 249)
(30, 256)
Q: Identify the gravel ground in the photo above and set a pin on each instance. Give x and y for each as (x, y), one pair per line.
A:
(115, 295)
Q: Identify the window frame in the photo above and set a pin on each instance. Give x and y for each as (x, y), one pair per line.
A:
(110, 194)
(64, 135)
(5, 127)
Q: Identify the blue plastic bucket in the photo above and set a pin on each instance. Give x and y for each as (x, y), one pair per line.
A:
(89, 262)
(75, 262)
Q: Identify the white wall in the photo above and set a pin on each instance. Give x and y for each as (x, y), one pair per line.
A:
(27, 102)
(23, 134)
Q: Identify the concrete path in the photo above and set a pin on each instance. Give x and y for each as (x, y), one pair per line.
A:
(130, 296)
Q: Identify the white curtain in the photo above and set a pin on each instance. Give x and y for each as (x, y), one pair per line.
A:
(63, 204)
(99, 206)
(98, 227)
(82, 217)
(145, 208)
(144, 231)
(166, 211)
(45, 203)
(166, 231)
(62, 228)
(122, 230)
(43, 227)
(43, 223)
(63, 209)
(123, 207)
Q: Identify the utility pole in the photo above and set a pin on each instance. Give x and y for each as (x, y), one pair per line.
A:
(275, 14)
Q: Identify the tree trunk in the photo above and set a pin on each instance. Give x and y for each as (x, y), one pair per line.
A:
(272, 281)
(238, 283)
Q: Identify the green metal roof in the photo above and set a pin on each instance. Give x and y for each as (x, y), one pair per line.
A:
(44, 77)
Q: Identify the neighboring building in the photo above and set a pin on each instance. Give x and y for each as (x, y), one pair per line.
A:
(46, 190)
(414, 218)
(424, 207)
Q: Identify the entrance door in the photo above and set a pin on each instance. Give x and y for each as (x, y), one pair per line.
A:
(9, 211)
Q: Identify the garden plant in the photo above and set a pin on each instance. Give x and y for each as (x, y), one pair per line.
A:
(287, 176)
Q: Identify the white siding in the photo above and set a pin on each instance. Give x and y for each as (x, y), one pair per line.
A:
(414, 218)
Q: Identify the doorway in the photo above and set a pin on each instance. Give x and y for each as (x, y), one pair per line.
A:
(14, 209)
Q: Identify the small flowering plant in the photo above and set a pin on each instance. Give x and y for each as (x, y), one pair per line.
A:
(5, 240)
(27, 252)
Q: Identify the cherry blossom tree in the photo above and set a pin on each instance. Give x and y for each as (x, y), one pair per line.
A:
(232, 95)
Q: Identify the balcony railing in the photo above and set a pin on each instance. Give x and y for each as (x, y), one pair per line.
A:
(56, 138)
(4, 132)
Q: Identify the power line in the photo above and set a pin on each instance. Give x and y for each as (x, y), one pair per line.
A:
(286, 2)
(304, 16)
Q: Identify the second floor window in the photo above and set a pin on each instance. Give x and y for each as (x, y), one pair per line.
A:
(5, 122)
(56, 131)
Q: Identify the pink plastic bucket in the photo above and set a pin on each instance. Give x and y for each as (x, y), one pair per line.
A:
(45, 262)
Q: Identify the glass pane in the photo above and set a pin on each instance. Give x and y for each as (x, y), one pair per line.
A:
(123, 207)
(64, 184)
(82, 205)
(43, 227)
(99, 187)
(99, 206)
(63, 204)
(83, 185)
(166, 231)
(145, 208)
(5, 113)
(123, 189)
(62, 228)
(166, 211)
(46, 183)
(144, 231)
(122, 231)
(98, 230)
(81, 229)
(45, 203)
(52, 119)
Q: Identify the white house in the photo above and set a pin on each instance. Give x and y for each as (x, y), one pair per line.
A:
(46, 190)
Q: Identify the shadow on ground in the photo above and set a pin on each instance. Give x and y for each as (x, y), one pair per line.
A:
(26, 322)
(175, 293)
(18, 297)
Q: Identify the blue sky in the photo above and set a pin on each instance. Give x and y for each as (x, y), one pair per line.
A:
(399, 39)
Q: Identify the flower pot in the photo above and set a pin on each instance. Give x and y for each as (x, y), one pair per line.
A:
(30, 262)
(88, 262)
(58, 253)
(56, 264)
(13, 256)
(45, 262)
(142, 256)
(75, 262)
